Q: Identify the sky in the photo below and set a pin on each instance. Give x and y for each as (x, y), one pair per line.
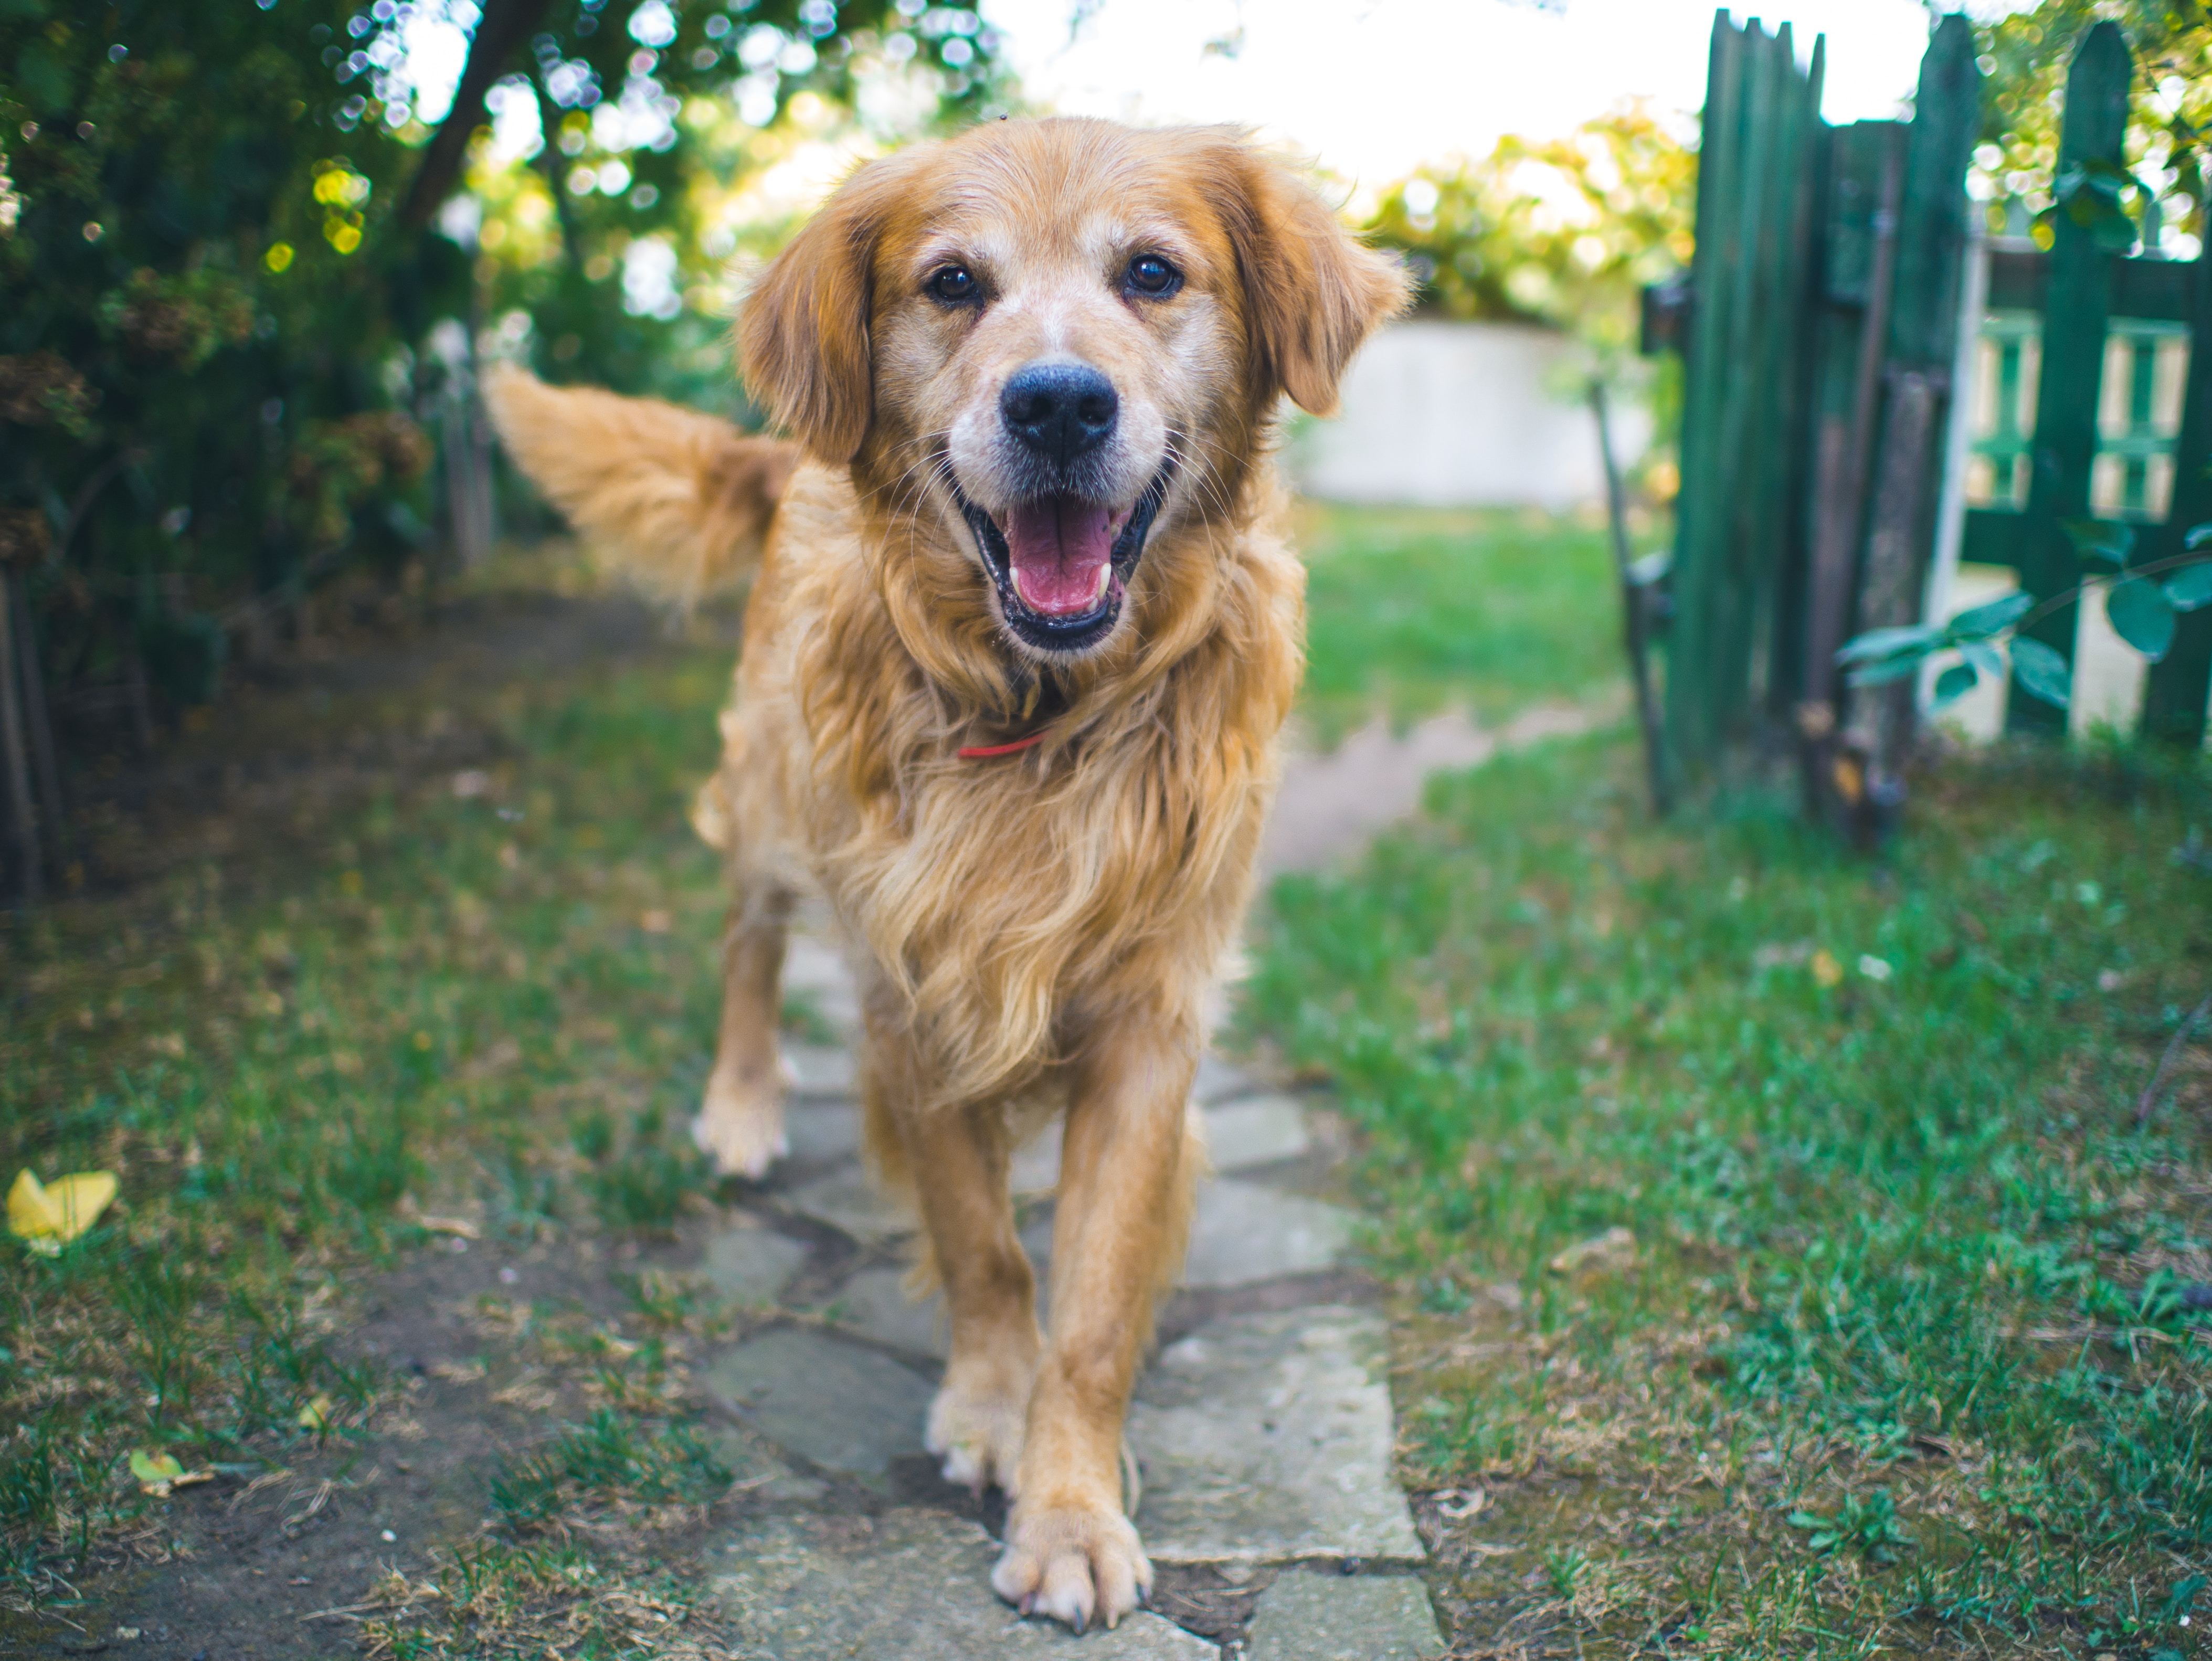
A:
(1370, 89)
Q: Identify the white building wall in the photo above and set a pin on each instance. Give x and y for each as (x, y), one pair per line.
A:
(1449, 414)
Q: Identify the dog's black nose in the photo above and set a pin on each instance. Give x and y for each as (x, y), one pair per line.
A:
(1060, 410)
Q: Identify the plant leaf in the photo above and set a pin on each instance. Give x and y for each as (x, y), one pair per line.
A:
(1955, 683)
(2142, 616)
(1984, 621)
(154, 1466)
(1984, 657)
(1916, 638)
(2042, 671)
(2094, 539)
(1886, 671)
(2191, 587)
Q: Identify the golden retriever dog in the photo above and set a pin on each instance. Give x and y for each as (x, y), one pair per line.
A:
(1015, 660)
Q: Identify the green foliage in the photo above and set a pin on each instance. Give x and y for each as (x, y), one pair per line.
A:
(1565, 232)
(2143, 612)
(2025, 56)
(235, 307)
(1896, 1233)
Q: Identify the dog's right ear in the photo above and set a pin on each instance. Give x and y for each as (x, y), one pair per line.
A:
(804, 345)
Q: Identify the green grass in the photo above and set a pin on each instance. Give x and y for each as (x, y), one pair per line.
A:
(446, 1004)
(1894, 1351)
(1410, 610)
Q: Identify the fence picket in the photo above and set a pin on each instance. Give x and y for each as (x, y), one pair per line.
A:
(2075, 320)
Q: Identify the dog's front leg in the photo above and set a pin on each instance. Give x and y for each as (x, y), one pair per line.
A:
(958, 1156)
(1117, 1240)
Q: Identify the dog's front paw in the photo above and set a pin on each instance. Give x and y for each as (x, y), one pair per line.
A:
(1072, 1563)
(976, 1430)
(741, 1124)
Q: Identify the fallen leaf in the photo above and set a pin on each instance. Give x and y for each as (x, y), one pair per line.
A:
(1826, 969)
(1615, 1243)
(316, 1415)
(656, 921)
(49, 1218)
(158, 1473)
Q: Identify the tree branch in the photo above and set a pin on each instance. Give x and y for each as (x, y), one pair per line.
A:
(505, 25)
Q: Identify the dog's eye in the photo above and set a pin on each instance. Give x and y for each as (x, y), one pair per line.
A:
(955, 285)
(1149, 274)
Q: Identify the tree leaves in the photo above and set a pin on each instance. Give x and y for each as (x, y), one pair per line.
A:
(2142, 615)
(2095, 539)
(1954, 683)
(2191, 587)
(1998, 615)
(2042, 671)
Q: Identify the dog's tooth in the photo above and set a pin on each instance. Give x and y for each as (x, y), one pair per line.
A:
(1105, 576)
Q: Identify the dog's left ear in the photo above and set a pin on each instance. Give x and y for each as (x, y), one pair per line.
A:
(1313, 293)
(803, 337)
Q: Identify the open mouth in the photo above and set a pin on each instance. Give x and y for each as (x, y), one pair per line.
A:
(1062, 564)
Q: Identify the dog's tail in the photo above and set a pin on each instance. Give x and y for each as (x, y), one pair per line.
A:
(681, 501)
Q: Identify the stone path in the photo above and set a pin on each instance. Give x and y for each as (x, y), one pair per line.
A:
(1263, 1426)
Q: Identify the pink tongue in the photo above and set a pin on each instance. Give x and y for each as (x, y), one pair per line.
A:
(1059, 545)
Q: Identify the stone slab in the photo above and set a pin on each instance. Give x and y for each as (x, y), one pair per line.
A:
(874, 1303)
(1245, 1232)
(1309, 1616)
(850, 1201)
(1255, 1131)
(818, 1070)
(912, 1585)
(1268, 1437)
(1219, 1081)
(817, 970)
(1035, 1168)
(821, 1131)
(752, 1265)
(833, 1403)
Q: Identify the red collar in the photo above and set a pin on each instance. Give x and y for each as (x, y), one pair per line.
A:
(983, 751)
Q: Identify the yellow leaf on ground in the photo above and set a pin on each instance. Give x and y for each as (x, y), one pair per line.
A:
(316, 1415)
(50, 1216)
(158, 1473)
(154, 1466)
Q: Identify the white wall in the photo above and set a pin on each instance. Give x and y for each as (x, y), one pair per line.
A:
(1462, 414)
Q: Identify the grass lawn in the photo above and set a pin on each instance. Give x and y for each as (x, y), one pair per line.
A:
(415, 991)
(1412, 609)
(1780, 1268)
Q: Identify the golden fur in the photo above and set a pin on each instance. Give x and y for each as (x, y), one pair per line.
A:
(1037, 931)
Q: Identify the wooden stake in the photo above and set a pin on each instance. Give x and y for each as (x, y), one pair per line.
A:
(1635, 607)
(30, 872)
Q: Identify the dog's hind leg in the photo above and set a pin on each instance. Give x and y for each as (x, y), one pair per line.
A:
(1127, 1165)
(741, 1121)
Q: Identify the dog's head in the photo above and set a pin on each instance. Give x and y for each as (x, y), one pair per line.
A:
(1056, 338)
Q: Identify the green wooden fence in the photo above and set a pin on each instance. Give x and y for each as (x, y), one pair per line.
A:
(1820, 331)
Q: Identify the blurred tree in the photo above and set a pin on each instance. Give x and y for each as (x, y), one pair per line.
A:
(245, 248)
(2026, 56)
(1563, 233)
